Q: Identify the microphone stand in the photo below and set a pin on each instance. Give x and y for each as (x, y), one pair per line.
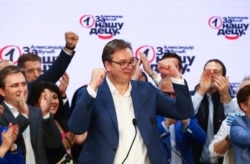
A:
(169, 146)
(134, 123)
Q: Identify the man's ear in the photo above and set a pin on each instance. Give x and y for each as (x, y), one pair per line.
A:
(107, 66)
(243, 107)
(2, 92)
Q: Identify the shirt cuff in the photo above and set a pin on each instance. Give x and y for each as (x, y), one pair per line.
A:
(67, 52)
(178, 81)
(91, 92)
(25, 115)
(14, 150)
(157, 79)
(64, 100)
(46, 116)
(197, 96)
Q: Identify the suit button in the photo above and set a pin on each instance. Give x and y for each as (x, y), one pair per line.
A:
(114, 149)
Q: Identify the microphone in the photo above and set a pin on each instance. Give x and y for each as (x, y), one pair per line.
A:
(153, 122)
(134, 123)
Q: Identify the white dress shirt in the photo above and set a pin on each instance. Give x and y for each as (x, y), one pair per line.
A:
(220, 135)
(125, 114)
(228, 108)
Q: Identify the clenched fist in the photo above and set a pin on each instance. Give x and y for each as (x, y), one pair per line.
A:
(97, 77)
(71, 39)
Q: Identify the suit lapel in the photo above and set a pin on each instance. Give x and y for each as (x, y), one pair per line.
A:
(7, 115)
(108, 102)
(136, 99)
(33, 125)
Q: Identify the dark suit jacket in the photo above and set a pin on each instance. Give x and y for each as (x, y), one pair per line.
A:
(98, 117)
(43, 132)
(54, 73)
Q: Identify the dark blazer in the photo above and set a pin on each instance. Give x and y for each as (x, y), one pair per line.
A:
(54, 73)
(98, 117)
(43, 132)
(57, 69)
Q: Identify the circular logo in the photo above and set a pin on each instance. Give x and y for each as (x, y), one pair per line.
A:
(87, 21)
(148, 50)
(10, 52)
(215, 22)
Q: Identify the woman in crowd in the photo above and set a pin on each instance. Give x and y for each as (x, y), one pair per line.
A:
(55, 104)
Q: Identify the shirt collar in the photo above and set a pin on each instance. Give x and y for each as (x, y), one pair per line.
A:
(13, 110)
(113, 90)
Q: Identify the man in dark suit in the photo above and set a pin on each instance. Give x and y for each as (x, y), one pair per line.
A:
(31, 64)
(37, 128)
(117, 112)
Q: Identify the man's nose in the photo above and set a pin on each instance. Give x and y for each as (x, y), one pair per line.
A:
(37, 73)
(20, 87)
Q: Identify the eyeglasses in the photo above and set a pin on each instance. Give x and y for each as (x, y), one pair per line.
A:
(124, 64)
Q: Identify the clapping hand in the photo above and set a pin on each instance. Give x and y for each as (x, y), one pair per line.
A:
(22, 106)
(1, 110)
(138, 72)
(9, 136)
(64, 82)
(45, 100)
(205, 81)
(222, 84)
(145, 63)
